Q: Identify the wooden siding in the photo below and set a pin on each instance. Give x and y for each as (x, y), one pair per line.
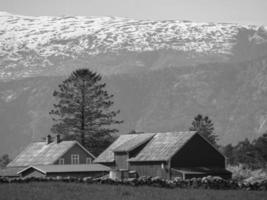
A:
(121, 160)
(197, 153)
(150, 169)
(76, 149)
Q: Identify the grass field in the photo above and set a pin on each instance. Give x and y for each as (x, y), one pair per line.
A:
(73, 191)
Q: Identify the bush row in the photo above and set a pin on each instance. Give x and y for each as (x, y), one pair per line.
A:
(208, 182)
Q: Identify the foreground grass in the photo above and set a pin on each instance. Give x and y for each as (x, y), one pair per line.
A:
(73, 191)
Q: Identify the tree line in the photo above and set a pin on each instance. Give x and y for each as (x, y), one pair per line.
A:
(251, 154)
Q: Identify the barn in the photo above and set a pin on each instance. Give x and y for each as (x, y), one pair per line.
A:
(47, 158)
(165, 155)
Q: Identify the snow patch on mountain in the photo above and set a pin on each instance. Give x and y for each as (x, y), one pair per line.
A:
(26, 41)
(67, 35)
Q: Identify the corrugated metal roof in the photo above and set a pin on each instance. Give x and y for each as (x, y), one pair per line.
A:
(108, 154)
(163, 146)
(68, 168)
(10, 171)
(41, 153)
(134, 142)
(160, 148)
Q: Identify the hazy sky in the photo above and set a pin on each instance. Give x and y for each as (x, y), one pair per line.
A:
(241, 11)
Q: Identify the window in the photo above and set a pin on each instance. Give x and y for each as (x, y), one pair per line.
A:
(75, 159)
(61, 161)
(88, 160)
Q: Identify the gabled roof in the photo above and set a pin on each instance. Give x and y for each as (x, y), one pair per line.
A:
(163, 146)
(67, 168)
(41, 153)
(160, 146)
(121, 144)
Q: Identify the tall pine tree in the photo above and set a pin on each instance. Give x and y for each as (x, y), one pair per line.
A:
(82, 111)
(205, 127)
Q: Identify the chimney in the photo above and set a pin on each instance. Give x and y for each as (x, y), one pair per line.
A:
(48, 139)
(58, 138)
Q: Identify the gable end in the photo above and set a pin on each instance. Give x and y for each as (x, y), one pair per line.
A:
(77, 148)
(197, 152)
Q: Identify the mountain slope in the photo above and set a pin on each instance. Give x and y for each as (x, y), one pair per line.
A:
(162, 73)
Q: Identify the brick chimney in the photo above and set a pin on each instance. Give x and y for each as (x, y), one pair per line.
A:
(48, 139)
(57, 138)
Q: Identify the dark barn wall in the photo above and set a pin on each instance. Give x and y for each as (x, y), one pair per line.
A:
(150, 169)
(76, 149)
(121, 160)
(197, 153)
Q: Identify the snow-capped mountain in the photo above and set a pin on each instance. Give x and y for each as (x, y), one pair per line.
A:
(72, 35)
(162, 73)
(31, 44)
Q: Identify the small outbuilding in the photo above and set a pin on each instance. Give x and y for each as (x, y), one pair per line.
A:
(80, 171)
(165, 155)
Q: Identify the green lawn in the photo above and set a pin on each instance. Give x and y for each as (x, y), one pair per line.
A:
(73, 191)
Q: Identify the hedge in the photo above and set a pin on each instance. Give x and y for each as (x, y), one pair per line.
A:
(208, 182)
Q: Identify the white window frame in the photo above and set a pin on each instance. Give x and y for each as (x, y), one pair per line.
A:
(61, 161)
(88, 160)
(75, 159)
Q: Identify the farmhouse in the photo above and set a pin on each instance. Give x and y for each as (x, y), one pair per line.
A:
(166, 155)
(54, 158)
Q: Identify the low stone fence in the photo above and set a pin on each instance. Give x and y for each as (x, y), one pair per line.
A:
(208, 182)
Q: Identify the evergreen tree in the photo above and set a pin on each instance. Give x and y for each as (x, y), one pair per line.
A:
(228, 151)
(250, 154)
(82, 111)
(246, 153)
(205, 127)
(261, 145)
(4, 160)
